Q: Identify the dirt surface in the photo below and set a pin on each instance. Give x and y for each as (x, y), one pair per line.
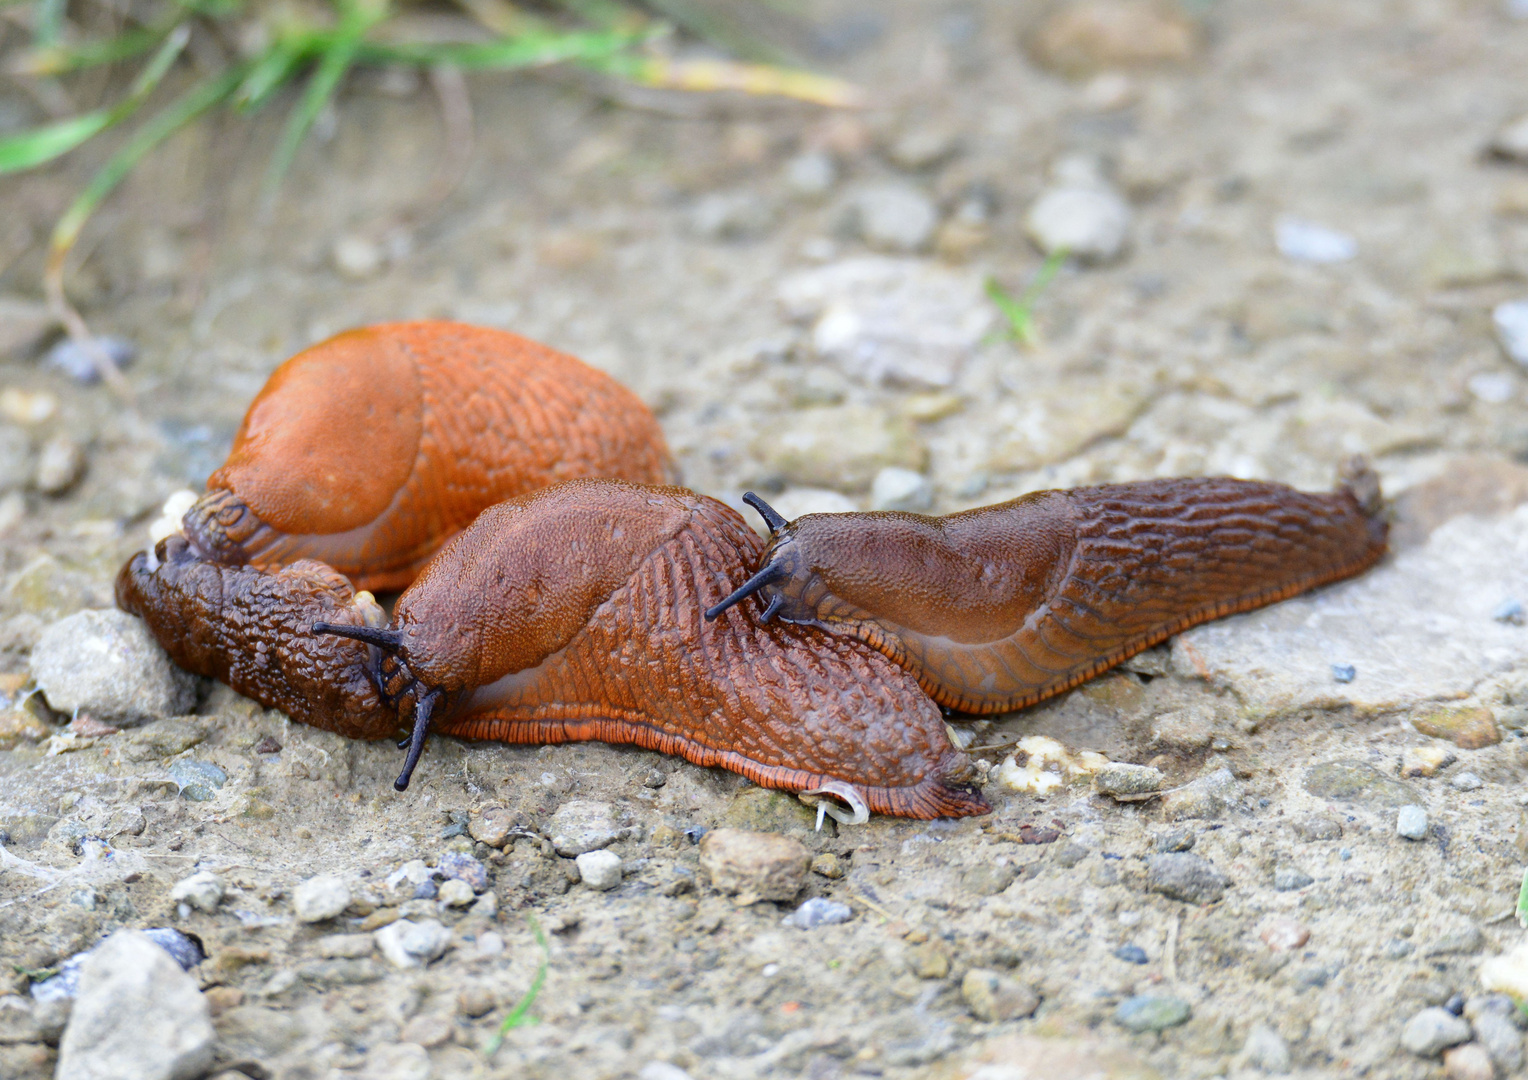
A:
(684, 246)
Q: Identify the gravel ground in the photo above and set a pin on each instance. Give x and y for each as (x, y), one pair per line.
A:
(1294, 242)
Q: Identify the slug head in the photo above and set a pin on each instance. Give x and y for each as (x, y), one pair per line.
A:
(251, 629)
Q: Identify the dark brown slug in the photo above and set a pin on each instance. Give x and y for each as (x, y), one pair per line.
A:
(371, 449)
(568, 614)
(998, 608)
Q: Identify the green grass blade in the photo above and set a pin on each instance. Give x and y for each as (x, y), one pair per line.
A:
(160, 127)
(271, 70)
(520, 1016)
(32, 148)
(1522, 902)
(1019, 311)
(527, 50)
(357, 18)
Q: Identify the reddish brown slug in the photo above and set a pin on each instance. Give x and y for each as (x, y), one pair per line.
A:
(998, 608)
(568, 614)
(370, 450)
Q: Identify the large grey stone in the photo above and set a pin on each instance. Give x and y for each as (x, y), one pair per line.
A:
(107, 664)
(581, 825)
(900, 320)
(1434, 1030)
(1417, 628)
(138, 1017)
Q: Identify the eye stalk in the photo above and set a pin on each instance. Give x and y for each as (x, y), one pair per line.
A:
(768, 575)
(770, 515)
(390, 640)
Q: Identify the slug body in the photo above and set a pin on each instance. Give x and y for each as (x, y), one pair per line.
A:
(368, 451)
(572, 613)
(997, 608)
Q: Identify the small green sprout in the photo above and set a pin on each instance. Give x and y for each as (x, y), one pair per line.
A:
(1019, 311)
(520, 1016)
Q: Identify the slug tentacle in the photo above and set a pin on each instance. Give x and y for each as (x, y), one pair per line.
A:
(423, 709)
(385, 639)
(998, 608)
(369, 450)
(771, 516)
(767, 575)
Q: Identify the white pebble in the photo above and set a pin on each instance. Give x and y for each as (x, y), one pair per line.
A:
(1491, 387)
(203, 891)
(1411, 822)
(1305, 241)
(1511, 321)
(901, 489)
(320, 898)
(1088, 223)
(412, 944)
(1468, 781)
(357, 258)
(810, 175)
(600, 869)
(455, 893)
(60, 464)
(1433, 1030)
(895, 217)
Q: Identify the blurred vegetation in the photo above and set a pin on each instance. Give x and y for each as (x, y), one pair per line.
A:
(252, 53)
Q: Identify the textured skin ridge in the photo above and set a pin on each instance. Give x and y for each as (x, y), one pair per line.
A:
(250, 629)
(479, 416)
(788, 707)
(1150, 560)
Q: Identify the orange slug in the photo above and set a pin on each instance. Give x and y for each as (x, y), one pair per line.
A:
(998, 608)
(569, 614)
(370, 450)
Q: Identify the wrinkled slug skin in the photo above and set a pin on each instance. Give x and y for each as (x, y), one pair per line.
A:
(368, 451)
(249, 628)
(575, 613)
(998, 608)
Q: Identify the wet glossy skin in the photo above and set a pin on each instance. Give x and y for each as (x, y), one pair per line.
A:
(1001, 607)
(574, 613)
(370, 450)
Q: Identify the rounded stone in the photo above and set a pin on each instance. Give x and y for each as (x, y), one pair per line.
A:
(895, 217)
(202, 890)
(1152, 1012)
(320, 898)
(1086, 223)
(108, 665)
(1433, 1030)
(754, 866)
(599, 869)
(1411, 822)
(901, 489)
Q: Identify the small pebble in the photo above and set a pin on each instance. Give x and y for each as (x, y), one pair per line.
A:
(1344, 673)
(1185, 876)
(1266, 1049)
(581, 825)
(901, 489)
(493, 825)
(1119, 778)
(1511, 322)
(1175, 840)
(476, 1000)
(1398, 949)
(1433, 1030)
(818, 911)
(1131, 954)
(1510, 611)
(1426, 760)
(1472, 1061)
(755, 866)
(1511, 140)
(60, 464)
(731, 216)
(410, 944)
(828, 865)
(599, 869)
(454, 865)
(490, 944)
(1087, 223)
(320, 898)
(811, 175)
(995, 998)
(1467, 781)
(357, 258)
(1493, 1017)
(923, 148)
(1152, 1012)
(1411, 822)
(70, 358)
(1284, 935)
(426, 890)
(455, 893)
(1304, 241)
(1290, 878)
(895, 217)
(199, 781)
(203, 891)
